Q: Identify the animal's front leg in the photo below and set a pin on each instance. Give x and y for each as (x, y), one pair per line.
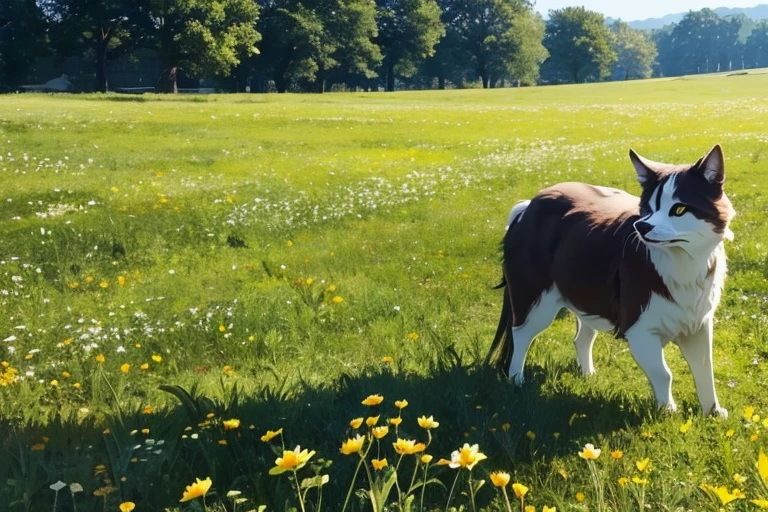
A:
(697, 350)
(648, 351)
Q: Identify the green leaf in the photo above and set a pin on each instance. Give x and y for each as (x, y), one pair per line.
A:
(315, 481)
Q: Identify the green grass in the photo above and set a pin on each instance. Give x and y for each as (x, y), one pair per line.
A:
(216, 231)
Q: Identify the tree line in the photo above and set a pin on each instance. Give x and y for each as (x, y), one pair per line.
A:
(312, 45)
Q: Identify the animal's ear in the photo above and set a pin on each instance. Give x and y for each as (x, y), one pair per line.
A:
(712, 166)
(647, 170)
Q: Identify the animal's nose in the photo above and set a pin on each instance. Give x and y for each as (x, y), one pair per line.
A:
(643, 227)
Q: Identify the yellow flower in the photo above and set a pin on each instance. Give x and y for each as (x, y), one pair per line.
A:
(639, 481)
(549, 509)
(197, 489)
(685, 427)
(401, 404)
(466, 457)
(291, 460)
(148, 409)
(104, 283)
(387, 360)
(617, 454)
(100, 358)
(232, 424)
(371, 420)
(355, 423)
(408, 446)
(127, 506)
(144, 366)
(426, 458)
(762, 504)
(520, 490)
(500, 478)
(529, 508)
(723, 494)
(352, 445)
(379, 432)
(337, 299)
(395, 421)
(121, 280)
(642, 465)
(748, 412)
(379, 464)
(271, 434)
(623, 481)
(589, 452)
(739, 479)
(530, 435)
(428, 423)
(38, 447)
(125, 367)
(157, 358)
(762, 467)
(580, 497)
(729, 433)
(373, 400)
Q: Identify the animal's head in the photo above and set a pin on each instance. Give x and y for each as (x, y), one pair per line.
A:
(683, 205)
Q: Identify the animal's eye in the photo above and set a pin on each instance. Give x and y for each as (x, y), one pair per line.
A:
(679, 209)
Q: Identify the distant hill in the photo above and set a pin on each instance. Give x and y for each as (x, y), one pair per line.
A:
(758, 12)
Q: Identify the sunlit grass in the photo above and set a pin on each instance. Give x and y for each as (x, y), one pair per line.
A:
(288, 255)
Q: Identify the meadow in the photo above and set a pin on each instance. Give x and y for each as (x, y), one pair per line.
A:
(181, 275)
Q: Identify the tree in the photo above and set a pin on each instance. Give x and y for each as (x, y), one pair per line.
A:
(702, 42)
(579, 45)
(23, 37)
(756, 46)
(101, 29)
(635, 51)
(354, 29)
(202, 37)
(527, 33)
(316, 41)
(493, 37)
(408, 33)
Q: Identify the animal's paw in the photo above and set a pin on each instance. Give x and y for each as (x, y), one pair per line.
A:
(517, 379)
(719, 412)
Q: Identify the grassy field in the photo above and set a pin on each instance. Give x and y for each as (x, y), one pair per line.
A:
(276, 259)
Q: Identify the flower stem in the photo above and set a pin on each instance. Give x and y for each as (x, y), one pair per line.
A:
(506, 499)
(423, 487)
(352, 484)
(298, 490)
(450, 494)
(471, 491)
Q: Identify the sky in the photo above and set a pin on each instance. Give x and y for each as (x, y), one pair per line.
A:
(640, 10)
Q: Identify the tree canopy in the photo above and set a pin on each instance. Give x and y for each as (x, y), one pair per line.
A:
(579, 45)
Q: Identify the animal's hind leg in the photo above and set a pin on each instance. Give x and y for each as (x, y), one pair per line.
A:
(540, 316)
(584, 340)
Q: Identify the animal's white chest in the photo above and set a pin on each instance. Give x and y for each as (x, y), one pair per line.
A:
(695, 290)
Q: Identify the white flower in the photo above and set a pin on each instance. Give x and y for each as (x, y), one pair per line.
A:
(57, 486)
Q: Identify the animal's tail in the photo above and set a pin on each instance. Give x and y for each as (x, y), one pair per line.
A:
(502, 347)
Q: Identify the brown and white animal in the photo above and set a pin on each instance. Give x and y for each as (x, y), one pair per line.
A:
(648, 269)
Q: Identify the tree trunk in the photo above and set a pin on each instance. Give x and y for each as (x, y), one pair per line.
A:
(390, 77)
(101, 66)
(484, 78)
(281, 84)
(167, 82)
(441, 82)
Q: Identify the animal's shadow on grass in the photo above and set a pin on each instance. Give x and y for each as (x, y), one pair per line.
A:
(516, 427)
